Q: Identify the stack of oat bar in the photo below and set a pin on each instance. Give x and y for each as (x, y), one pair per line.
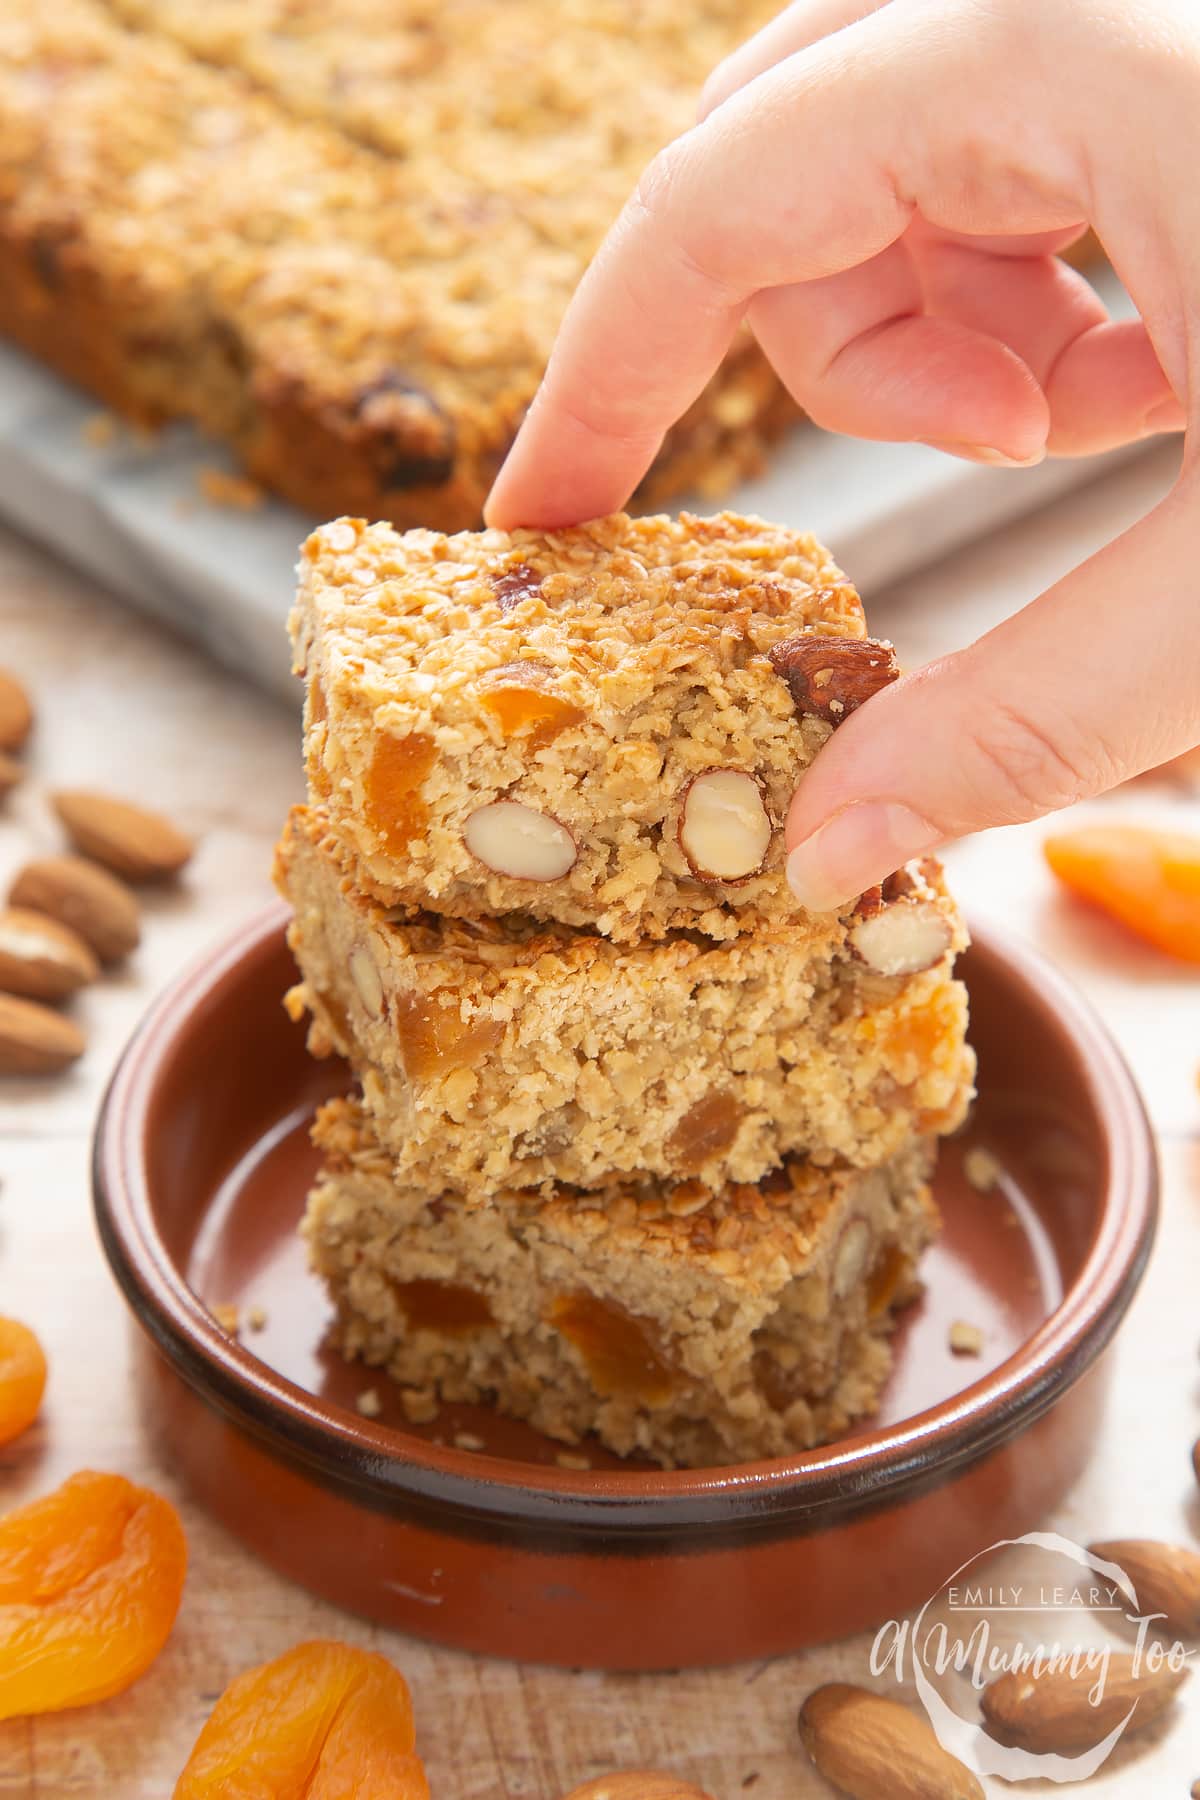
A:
(639, 1148)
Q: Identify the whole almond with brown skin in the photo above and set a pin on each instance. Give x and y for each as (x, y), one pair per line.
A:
(41, 959)
(11, 772)
(1165, 1577)
(637, 1784)
(871, 1747)
(831, 676)
(128, 839)
(34, 1040)
(1052, 1715)
(85, 898)
(16, 712)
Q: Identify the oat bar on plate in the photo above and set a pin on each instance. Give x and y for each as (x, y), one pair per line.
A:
(198, 221)
(602, 726)
(692, 1327)
(502, 1052)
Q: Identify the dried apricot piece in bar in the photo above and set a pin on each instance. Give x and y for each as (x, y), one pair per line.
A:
(322, 1722)
(22, 1378)
(90, 1582)
(1149, 880)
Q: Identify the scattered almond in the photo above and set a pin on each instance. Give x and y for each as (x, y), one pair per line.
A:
(16, 712)
(1165, 1578)
(637, 1784)
(11, 773)
(133, 842)
(869, 1747)
(41, 959)
(34, 1040)
(84, 897)
(368, 1403)
(1051, 1714)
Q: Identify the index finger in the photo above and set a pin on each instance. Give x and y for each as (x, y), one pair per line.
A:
(723, 212)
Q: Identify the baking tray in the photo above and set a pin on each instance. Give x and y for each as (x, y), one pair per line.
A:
(132, 512)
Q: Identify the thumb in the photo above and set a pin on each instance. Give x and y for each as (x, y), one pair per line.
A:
(1093, 682)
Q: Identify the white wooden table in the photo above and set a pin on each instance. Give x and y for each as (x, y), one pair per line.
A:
(125, 706)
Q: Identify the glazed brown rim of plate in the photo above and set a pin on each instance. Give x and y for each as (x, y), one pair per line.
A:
(388, 1469)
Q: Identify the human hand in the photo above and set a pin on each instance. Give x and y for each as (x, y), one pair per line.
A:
(879, 192)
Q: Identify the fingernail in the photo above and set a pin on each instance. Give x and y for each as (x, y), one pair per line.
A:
(856, 848)
(987, 453)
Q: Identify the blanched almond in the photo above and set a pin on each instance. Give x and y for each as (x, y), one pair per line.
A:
(34, 1040)
(85, 898)
(132, 841)
(724, 831)
(851, 1257)
(512, 839)
(41, 959)
(902, 939)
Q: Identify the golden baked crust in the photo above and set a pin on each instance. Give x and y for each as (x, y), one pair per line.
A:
(694, 1328)
(588, 675)
(503, 1052)
(366, 329)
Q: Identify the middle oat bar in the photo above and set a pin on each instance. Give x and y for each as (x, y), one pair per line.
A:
(502, 1053)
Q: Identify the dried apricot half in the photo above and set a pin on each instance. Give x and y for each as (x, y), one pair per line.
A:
(90, 1582)
(1149, 880)
(22, 1378)
(322, 1722)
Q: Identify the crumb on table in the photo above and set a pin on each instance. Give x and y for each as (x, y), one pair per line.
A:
(226, 1315)
(965, 1340)
(982, 1169)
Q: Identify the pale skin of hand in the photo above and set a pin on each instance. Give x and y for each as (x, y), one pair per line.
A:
(878, 193)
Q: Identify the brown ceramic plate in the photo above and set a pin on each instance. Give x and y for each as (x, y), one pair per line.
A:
(201, 1167)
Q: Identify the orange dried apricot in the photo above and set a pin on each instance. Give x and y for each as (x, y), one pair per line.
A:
(22, 1378)
(394, 804)
(706, 1130)
(90, 1582)
(1148, 880)
(621, 1356)
(430, 1305)
(519, 699)
(435, 1039)
(322, 1722)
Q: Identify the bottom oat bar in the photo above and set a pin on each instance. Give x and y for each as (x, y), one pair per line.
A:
(690, 1327)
